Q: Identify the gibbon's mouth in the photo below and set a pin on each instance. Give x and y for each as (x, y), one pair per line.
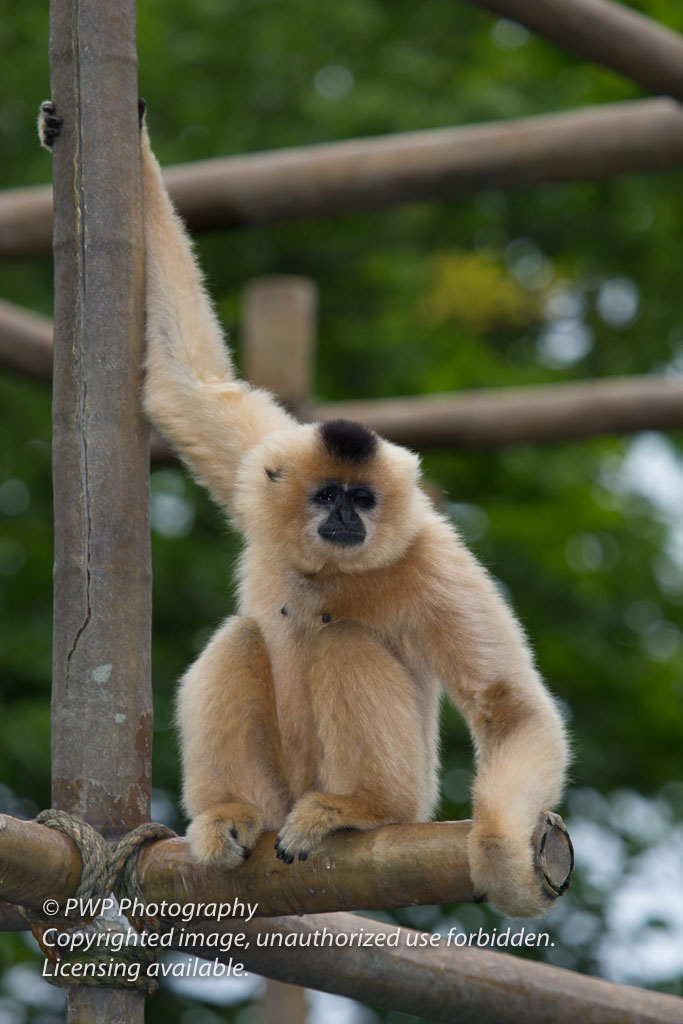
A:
(343, 538)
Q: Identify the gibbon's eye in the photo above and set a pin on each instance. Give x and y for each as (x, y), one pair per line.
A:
(363, 498)
(327, 495)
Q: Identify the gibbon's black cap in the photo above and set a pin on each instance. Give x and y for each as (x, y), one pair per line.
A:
(348, 441)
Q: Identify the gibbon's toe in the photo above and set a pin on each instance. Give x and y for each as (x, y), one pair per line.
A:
(306, 825)
(292, 844)
(503, 874)
(224, 837)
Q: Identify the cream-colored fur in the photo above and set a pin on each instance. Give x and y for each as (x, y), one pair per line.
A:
(316, 707)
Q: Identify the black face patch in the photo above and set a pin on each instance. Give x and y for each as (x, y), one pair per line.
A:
(347, 441)
(345, 506)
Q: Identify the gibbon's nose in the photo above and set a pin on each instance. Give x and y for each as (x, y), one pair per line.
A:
(345, 511)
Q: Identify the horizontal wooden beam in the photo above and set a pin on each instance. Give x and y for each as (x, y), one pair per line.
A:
(25, 341)
(317, 181)
(447, 978)
(465, 419)
(612, 34)
(350, 870)
(449, 982)
(541, 413)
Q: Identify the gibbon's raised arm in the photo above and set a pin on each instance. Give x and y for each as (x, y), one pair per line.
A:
(486, 667)
(191, 393)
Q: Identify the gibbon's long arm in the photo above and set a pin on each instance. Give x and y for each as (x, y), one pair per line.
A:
(520, 744)
(191, 393)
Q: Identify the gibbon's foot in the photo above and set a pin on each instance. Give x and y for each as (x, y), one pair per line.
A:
(503, 874)
(225, 835)
(306, 825)
(49, 124)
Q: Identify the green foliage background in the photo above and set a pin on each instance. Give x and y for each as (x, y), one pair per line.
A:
(429, 297)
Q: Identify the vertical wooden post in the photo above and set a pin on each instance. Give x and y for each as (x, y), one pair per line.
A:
(279, 327)
(283, 1003)
(101, 703)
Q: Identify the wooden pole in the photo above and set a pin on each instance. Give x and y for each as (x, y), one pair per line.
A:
(464, 419)
(320, 181)
(611, 34)
(283, 1003)
(487, 417)
(392, 866)
(25, 341)
(278, 335)
(454, 983)
(101, 705)
(278, 348)
(461, 981)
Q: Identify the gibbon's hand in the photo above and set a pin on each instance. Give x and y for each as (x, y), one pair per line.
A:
(49, 124)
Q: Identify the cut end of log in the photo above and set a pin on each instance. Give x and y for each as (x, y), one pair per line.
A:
(554, 853)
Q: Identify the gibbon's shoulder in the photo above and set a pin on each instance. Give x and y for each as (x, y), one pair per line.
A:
(439, 553)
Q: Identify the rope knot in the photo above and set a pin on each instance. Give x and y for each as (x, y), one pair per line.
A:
(98, 945)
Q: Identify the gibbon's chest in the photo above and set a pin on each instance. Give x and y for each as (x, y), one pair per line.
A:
(291, 616)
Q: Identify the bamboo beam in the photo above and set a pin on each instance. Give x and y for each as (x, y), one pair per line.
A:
(278, 335)
(608, 33)
(101, 683)
(542, 413)
(315, 181)
(452, 982)
(101, 695)
(350, 870)
(465, 419)
(25, 341)
(284, 1003)
(456, 984)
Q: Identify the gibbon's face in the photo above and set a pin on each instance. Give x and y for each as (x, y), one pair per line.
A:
(331, 494)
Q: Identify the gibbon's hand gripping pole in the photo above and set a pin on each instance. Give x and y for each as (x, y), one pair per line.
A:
(101, 705)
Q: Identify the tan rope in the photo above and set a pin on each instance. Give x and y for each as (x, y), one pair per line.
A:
(108, 868)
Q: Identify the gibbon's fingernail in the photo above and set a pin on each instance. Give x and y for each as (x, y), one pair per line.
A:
(327, 617)
(246, 853)
(233, 833)
(303, 856)
(277, 844)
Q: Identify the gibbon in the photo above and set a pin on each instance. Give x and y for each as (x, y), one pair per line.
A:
(315, 708)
